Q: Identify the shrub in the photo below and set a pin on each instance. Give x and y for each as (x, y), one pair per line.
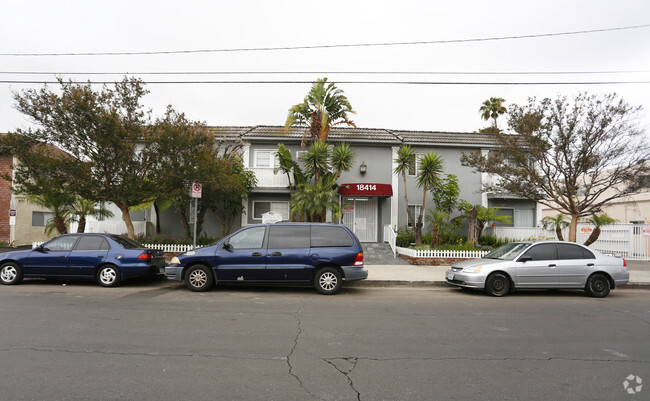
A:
(405, 237)
(493, 241)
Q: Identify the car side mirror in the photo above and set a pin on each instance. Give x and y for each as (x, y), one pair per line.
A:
(227, 246)
(525, 259)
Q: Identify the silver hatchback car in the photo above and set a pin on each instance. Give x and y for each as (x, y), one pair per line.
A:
(541, 264)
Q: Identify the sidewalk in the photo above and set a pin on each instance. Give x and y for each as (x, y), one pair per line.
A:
(427, 276)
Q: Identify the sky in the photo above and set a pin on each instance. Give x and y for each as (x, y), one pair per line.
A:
(38, 27)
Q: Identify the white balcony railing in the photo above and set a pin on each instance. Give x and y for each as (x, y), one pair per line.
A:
(266, 178)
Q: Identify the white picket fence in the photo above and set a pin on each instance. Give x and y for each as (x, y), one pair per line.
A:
(391, 237)
(111, 227)
(440, 253)
(631, 241)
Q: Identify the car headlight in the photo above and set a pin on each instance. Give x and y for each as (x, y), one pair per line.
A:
(175, 261)
(475, 269)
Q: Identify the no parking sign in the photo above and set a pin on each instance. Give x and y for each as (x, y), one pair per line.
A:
(196, 190)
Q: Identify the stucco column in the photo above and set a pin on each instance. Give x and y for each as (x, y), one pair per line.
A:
(394, 200)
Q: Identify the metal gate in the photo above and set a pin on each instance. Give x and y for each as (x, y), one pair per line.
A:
(360, 216)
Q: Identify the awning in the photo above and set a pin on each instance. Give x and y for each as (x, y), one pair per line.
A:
(365, 189)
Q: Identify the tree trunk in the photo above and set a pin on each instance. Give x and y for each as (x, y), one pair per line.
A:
(573, 228)
(60, 225)
(593, 237)
(558, 232)
(434, 236)
(155, 208)
(186, 225)
(130, 232)
(81, 227)
(406, 202)
(472, 229)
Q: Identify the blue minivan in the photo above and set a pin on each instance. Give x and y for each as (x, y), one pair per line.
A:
(321, 254)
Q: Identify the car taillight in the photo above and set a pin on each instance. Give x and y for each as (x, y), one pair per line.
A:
(145, 256)
(624, 263)
(358, 261)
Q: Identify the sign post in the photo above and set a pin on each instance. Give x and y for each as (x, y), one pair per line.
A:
(196, 194)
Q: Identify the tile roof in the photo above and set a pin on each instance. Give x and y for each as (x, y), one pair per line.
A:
(376, 135)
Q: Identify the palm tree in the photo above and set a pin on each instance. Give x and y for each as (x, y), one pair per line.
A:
(492, 108)
(317, 160)
(429, 175)
(439, 224)
(598, 220)
(83, 207)
(342, 159)
(59, 204)
(557, 223)
(324, 107)
(313, 201)
(405, 161)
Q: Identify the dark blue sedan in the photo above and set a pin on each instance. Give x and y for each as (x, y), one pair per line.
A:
(106, 258)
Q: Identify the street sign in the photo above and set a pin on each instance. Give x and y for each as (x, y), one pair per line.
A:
(12, 212)
(196, 190)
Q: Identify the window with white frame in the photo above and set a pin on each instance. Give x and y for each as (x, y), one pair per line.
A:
(415, 212)
(415, 165)
(266, 158)
(261, 207)
(40, 219)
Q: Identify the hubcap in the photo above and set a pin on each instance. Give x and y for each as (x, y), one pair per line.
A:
(107, 276)
(198, 278)
(8, 273)
(328, 281)
(498, 284)
(599, 285)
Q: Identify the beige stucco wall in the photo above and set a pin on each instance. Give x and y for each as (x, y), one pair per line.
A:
(631, 208)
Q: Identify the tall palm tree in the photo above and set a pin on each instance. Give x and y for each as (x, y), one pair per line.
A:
(317, 160)
(598, 220)
(429, 173)
(342, 159)
(405, 161)
(557, 223)
(492, 108)
(83, 207)
(324, 107)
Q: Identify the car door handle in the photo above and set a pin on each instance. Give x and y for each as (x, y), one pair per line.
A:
(276, 254)
(590, 264)
(256, 254)
(100, 256)
(552, 265)
(61, 256)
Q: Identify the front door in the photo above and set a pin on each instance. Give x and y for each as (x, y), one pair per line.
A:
(244, 259)
(51, 259)
(541, 270)
(360, 216)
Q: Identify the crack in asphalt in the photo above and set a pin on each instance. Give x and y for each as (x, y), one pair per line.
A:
(539, 359)
(293, 349)
(347, 374)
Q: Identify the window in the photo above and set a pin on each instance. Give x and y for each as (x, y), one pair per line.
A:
(92, 243)
(415, 165)
(261, 207)
(266, 158)
(541, 252)
(40, 219)
(415, 212)
(64, 243)
(253, 238)
(288, 237)
(569, 251)
(127, 243)
(328, 236)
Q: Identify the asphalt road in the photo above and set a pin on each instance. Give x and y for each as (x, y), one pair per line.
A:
(158, 341)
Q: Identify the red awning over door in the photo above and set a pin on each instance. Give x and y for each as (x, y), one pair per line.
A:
(365, 189)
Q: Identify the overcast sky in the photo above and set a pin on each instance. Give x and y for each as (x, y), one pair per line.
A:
(139, 26)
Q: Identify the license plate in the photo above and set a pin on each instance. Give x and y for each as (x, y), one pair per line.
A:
(450, 276)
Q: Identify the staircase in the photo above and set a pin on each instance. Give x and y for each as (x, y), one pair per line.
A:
(379, 253)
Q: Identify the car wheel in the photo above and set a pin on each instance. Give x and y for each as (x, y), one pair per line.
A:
(328, 281)
(109, 276)
(10, 273)
(597, 286)
(497, 284)
(199, 278)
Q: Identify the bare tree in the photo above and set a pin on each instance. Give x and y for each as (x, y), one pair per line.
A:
(572, 155)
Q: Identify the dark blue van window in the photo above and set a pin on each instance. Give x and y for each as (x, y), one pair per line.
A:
(248, 239)
(328, 236)
(288, 237)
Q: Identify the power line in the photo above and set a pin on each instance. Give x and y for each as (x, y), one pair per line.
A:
(328, 72)
(345, 82)
(250, 49)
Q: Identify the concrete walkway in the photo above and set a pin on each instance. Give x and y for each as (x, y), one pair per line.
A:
(408, 275)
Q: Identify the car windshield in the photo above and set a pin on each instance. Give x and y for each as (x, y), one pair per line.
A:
(507, 251)
(126, 242)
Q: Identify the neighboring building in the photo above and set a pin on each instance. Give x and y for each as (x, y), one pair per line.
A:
(371, 195)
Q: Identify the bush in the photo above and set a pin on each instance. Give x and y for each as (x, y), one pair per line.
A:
(405, 237)
(203, 240)
(493, 241)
